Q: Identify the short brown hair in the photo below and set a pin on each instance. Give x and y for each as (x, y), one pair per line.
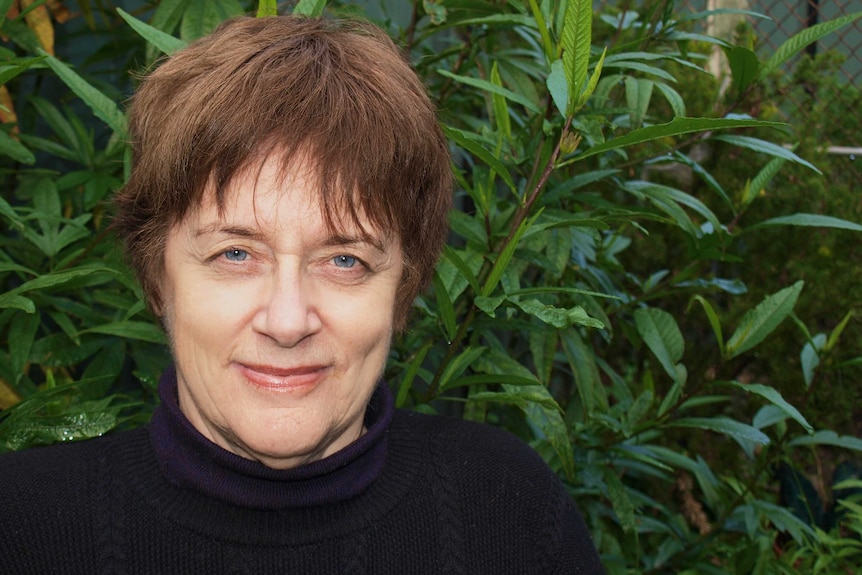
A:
(337, 95)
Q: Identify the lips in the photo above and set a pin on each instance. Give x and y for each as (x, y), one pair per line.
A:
(283, 379)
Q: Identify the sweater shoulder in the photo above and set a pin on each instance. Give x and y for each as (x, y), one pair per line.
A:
(58, 476)
(504, 496)
(477, 449)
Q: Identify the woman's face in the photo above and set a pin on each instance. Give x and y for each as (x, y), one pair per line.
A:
(279, 328)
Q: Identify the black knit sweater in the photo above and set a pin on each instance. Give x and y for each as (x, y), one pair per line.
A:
(416, 494)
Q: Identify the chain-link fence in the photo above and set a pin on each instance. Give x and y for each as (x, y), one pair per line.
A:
(833, 96)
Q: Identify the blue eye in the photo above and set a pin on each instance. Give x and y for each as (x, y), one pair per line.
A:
(235, 255)
(344, 261)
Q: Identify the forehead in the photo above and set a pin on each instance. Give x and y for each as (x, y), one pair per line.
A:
(272, 194)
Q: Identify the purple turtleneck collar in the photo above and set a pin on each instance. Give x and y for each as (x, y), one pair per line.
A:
(190, 461)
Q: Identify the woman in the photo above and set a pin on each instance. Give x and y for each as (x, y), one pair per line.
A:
(288, 201)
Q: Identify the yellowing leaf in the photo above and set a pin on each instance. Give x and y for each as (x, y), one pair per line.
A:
(59, 12)
(7, 108)
(8, 396)
(39, 20)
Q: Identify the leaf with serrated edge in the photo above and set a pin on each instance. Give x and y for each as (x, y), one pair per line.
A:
(774, 397)
(677, 127)
(759, 322)
(758, 145)
(724, 426)
(798, 42)
(575, 42)
(661, 334)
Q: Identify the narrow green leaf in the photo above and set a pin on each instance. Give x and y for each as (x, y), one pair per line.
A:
(545, 416)
(8, 71)
(513, 19)
(638, 96)
(759, 182)
(642, 68)
(671, 398)
(15, 150)
(758, 145)
(267, 8)
(5, 5)
(743, 67)
(555, 289)
(469, 143)
(558, 317)
(161, 40)
(713, 321)
(452, 256)
(677, 127)
(724, 426)
(547, 44)
(575, 41)
(132, 330)
(677, 104)
(592, 82)
(22, 333)
(492, 379)
(828, 437)
(167, 17)
(501, 109)
(809, 220)
(784, 520)
(54, 279)
(9, 213)
(9, 300)
(489, 305)
(809, 357)
(703, 15)
(558, 87)
(759, 322)
(623, 506)
(668, 200)
(493, 89)
(310, 8)
(774, 397)
(835, 335)
(103, 107)
(444, 307)
(798, 42)
(582, 362)
(459, 365)
(662, 335)
(409, 375)
(201, 18)
(505, 256)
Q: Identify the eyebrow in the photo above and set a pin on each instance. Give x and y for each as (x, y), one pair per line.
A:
(254, 234)
(238, 231)
(348, 240)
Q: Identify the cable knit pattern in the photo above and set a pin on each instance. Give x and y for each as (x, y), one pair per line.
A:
(444, 496)
(109, 518)
(451, 539)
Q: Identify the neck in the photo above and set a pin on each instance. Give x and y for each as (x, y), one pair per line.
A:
(189, 460)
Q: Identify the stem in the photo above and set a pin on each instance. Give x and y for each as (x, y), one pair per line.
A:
(520, 215)
(524, 210)
(411, 28)
(451, 350)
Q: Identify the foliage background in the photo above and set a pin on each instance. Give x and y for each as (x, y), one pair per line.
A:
(623, 291)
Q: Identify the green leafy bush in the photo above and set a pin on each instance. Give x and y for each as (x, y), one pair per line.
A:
(585, 302)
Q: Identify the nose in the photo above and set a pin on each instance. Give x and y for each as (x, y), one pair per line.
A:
(287, 313)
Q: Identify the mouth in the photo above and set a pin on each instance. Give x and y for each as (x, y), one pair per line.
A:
(283, 379)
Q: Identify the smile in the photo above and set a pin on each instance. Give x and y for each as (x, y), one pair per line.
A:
(283, 379)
